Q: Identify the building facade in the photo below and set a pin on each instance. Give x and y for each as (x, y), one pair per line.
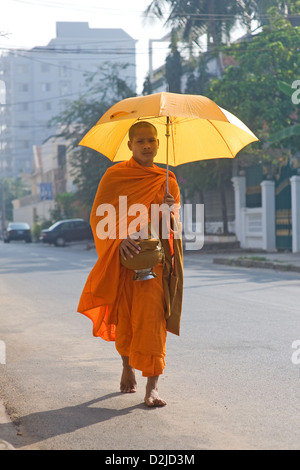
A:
(38, 83)
(50, 176)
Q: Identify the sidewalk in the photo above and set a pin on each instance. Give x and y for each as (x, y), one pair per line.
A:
(279, 261)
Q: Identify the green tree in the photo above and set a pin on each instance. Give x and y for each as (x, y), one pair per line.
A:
(294, 128)
(88, 166)
(250, 88)
(216, 18)
(174, 66)
(198, 17)
(64, 207)
(10, 189)
(147, 86)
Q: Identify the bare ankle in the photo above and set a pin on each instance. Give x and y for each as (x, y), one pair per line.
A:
(125, 361)
(152, 383)
(152, 398)
(128, 382)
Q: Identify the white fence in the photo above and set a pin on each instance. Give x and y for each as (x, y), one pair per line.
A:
(252, 224)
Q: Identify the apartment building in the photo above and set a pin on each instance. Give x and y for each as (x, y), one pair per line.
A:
(37, 84)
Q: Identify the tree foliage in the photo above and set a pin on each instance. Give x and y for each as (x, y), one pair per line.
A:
(174, 67)
(10, 189)
(105, 87)
(250, 89)
(215, 18)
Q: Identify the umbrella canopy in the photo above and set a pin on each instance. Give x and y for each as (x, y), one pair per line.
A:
(195, 126)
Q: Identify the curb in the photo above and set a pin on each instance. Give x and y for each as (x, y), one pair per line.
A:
(248, 263)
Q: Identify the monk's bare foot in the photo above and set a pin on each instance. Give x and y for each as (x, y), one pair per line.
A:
(128, 382)
(152, 398)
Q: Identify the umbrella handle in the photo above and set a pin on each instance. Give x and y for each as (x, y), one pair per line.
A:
(168, 137)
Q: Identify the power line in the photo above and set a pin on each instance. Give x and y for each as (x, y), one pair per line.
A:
(118, 12)
(55, 50)
(73, 51)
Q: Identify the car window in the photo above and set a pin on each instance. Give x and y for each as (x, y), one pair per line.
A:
(80, 224)
(55, 225)
(18, 226)
(67, 226)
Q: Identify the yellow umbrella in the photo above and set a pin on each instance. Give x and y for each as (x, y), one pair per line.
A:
(189, 128)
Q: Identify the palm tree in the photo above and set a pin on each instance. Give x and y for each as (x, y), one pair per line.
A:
(195, 18)
(215, 18)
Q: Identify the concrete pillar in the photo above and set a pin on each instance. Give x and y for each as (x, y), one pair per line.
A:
(295, 196)
(239, 185)
(268, 215)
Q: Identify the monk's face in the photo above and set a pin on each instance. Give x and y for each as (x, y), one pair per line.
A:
(144, 146)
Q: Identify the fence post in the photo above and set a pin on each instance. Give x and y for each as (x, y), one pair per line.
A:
(268, 215)
(295, 196)
(239, 185)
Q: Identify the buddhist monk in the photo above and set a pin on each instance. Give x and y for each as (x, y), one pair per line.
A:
(134, 314)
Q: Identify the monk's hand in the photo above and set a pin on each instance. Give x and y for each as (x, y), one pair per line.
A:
(128, 247)
(168, 199)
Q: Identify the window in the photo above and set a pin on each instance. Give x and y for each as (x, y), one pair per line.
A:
(23, 87)
(64, 88)
(67, 226)
(22, 68)
(65, 69)
(23, 144)
(23, 106)
(46, 86)
(46, 106)
(80, 224)
(61, 155)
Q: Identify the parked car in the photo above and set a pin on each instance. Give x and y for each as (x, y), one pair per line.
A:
(17, 231)
(68, 230)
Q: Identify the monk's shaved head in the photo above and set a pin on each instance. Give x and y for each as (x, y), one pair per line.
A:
(139, 125)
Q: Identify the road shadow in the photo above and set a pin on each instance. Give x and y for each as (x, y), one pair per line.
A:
(37, 427)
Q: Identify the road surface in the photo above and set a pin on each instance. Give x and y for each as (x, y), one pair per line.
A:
(230, 382)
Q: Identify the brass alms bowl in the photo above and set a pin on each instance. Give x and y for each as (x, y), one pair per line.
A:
(142, 263)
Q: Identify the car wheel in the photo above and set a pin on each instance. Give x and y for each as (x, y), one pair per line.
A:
(60, 241)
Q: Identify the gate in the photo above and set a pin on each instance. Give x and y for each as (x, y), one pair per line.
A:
(283, 205)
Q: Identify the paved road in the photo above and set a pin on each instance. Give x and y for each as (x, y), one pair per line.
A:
(229, 381)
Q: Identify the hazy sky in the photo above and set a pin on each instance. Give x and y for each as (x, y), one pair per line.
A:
(28, 23)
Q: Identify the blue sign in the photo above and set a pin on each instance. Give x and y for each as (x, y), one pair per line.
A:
(46, 191)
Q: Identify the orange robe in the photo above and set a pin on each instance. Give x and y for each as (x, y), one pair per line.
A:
(122, 310)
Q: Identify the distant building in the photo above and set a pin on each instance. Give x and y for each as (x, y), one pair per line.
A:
(51, 175)
(36, 84)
